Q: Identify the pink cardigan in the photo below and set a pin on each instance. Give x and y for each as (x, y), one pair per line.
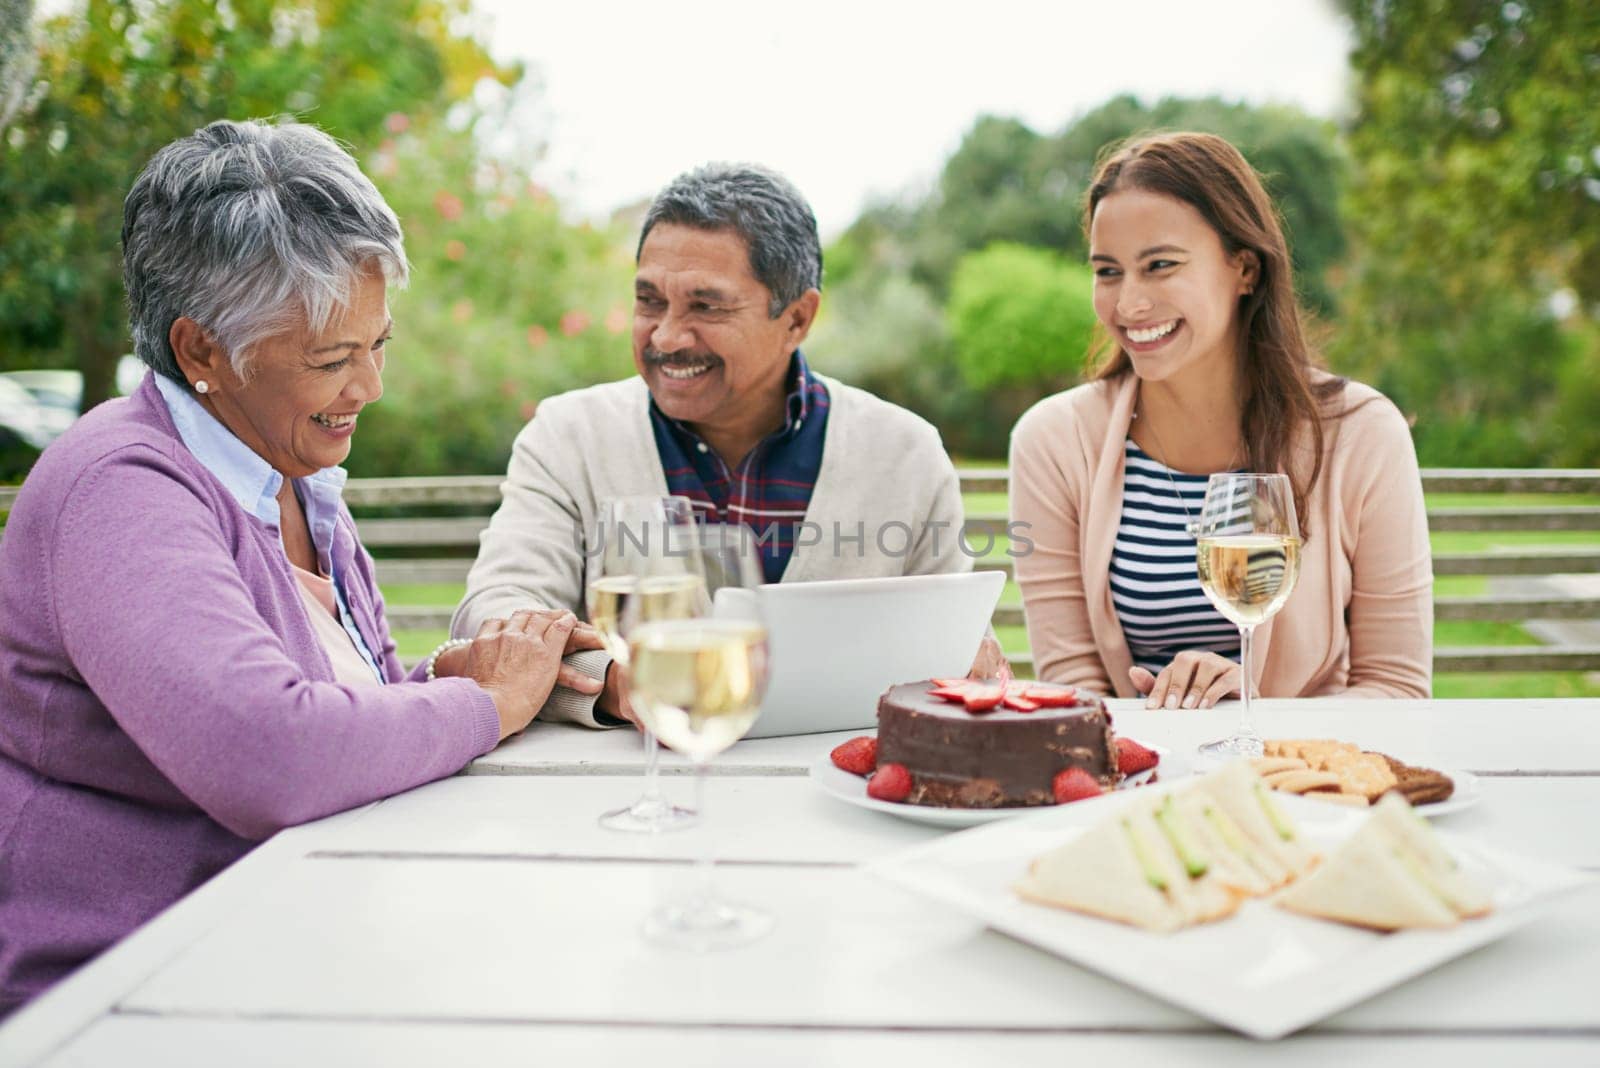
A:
(1360, 621)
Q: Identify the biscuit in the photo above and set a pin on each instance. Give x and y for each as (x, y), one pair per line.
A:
(1266, 765)
(1367, 774)
(1351, 800)
(1302, 780)
(1420, 786)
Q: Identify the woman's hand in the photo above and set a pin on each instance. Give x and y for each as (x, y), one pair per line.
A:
(1193, 680)
(583, 636)
(990, 663)
(518, 661)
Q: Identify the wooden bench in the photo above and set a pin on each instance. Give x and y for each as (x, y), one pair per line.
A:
(425, 531)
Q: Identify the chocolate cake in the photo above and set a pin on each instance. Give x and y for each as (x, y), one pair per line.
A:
(1002, 758)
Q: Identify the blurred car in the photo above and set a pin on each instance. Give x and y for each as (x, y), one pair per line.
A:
(58, 393)
(23, 419)
(55, 395)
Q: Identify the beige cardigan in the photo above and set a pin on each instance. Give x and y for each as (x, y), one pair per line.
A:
(883, 469)
(1360, 621)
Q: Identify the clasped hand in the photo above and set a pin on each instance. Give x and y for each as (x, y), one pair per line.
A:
(518, 661)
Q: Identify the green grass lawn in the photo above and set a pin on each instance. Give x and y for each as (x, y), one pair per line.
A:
(1510, 500)
(416, 644)
(447, 594)
(1483, 541)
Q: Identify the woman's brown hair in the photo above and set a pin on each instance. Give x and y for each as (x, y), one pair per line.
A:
(1281, 402)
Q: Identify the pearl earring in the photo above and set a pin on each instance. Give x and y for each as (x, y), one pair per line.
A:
(200, 386)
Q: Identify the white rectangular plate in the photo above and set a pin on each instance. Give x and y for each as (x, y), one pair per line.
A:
(1264, 972)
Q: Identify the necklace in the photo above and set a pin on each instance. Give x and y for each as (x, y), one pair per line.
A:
(1191, 525)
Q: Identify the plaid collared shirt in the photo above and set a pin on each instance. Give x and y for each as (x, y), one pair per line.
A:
(770, 490)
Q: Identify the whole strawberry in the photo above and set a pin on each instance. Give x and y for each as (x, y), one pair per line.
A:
(1074, 784)
(892, 782)
(1132, 758)
(858, 756)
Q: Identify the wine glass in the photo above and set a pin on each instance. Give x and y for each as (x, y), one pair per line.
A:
(1248, 555)
(698, 684)
(646, 564)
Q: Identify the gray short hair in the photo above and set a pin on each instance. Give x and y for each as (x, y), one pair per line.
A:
(761, 206)
(241, 226)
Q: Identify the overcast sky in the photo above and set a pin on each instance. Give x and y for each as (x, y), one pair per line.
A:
(852, 99)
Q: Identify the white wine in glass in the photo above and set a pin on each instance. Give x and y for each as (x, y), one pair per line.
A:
(661, 597)
(1249, 576)
(646, 571)
(1248, 557)
(698, 683)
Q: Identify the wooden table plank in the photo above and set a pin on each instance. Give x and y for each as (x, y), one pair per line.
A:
(557, 942)
(545, 815)
(205, 1043)
(549, 816)
(1474, 735)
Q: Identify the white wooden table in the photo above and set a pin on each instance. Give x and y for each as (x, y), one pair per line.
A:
(486, 918)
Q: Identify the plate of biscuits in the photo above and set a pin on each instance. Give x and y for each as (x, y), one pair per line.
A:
(1324, 769)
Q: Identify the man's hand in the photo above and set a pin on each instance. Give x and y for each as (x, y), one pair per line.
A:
(613, 700)
(990, 663)
(1193, 680)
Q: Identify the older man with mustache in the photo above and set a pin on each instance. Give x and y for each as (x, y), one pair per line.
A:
(836, 482)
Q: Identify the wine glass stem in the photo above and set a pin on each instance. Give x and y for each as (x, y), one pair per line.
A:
(652, 769)
(1247, 724)
(704, 859)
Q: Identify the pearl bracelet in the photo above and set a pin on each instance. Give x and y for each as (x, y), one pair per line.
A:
(444, 647)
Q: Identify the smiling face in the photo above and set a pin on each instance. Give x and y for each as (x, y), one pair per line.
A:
(1165, 287)
(702, 338)
(297, 407)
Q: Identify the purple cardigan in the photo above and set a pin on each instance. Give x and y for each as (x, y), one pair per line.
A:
(164, 702)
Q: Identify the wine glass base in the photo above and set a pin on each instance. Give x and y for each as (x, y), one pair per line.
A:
(650, 815)
(707, 925)
(1240, 745)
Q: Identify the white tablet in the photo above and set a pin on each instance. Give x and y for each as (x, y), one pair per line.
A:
(836, 646)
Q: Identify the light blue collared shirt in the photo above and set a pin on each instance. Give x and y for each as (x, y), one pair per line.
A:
(255, 485)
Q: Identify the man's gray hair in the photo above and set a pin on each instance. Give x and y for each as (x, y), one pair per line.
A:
(761, 206)
(244, 227)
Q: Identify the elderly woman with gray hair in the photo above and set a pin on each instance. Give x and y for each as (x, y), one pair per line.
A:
(193, 653)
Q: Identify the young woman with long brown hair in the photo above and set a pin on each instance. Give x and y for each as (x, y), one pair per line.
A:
(1201, 365)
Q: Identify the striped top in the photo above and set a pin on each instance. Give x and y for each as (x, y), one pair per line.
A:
(1154, 584)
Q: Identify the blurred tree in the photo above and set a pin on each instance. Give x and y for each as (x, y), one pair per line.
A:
(120, 79)
(1007, 183)
(1474, 213)
(1009, 186)
(1020, 316)
(508, 303)
(17, 61)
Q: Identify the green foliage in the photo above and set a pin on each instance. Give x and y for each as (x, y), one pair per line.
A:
(1477, 196)
(1007, 183)
(1020, 317)
(1011, 187)
(16, 458)
(1574, 429)
(1481, 380)
(507, 304)
(122, 79)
